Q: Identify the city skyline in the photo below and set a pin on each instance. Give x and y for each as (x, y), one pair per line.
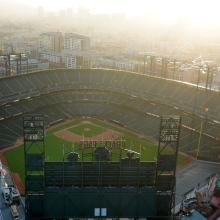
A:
(199, 13)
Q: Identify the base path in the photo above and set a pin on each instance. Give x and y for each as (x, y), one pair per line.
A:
(72, 137)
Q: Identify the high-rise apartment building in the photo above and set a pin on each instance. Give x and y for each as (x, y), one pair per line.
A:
(75, 46)
(68, 49)
(76, 42)
(51, 41)
(51, 47)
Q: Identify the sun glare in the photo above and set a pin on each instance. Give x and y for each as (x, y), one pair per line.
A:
(197, 12)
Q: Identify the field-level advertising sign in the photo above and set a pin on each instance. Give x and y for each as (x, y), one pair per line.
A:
(170, 128)
(33, 127)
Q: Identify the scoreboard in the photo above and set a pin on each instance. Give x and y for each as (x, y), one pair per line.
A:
(33, 127)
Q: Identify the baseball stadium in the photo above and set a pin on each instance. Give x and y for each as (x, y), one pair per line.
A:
(119, 113)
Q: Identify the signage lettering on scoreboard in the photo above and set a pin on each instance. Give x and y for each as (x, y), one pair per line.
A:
(170, 128)
(33, 127)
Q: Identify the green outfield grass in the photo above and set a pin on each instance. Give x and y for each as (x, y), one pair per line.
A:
(56, 148)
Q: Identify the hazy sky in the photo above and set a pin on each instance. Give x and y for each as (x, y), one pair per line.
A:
(200, 12)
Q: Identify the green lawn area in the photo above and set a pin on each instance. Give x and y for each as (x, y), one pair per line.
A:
(87, 129)
(56, 148)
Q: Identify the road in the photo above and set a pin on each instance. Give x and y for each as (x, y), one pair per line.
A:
(6, 212)
(5, 209)
(195, 173)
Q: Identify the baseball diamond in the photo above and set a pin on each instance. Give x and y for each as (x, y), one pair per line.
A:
(66, 137)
